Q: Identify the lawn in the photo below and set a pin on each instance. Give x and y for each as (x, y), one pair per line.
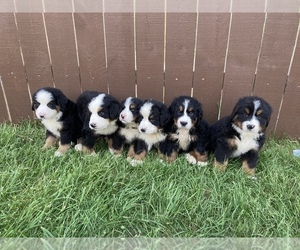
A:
(102, 196)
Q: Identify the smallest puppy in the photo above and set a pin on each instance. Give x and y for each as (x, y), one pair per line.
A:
(154, 116)
(128, 126)
(59, 116)
(241, 134)
(187, 131)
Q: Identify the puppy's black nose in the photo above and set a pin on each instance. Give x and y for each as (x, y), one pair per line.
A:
(183, 123)
(143, 130)
(250, 127)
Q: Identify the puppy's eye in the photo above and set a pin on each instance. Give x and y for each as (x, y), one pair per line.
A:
(180, 111)
(151, 118)
(101, 113)
(190, 111)
(51, 105)
(131, 108)
(36, 105)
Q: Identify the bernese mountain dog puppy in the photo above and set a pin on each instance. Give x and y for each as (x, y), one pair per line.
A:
(128, 126)
(241, 134)
(99, 113)
(187, 131)
(154, 116)
(59, 116)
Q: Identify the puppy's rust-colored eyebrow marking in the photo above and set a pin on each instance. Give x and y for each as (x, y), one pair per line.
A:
(151, 116)
(99, 109)
(247, 111)
(259, 112)
(180, 108)
(132, 106)
(190, 109)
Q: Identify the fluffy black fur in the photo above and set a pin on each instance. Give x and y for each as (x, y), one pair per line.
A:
(106, 114)
(187, 131)
(241, 134)
(65, 126)
(153, 118)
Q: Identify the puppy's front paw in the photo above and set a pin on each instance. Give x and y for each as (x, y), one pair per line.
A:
(134, 162)
(58, 153)
(78, 147)
(192, 160)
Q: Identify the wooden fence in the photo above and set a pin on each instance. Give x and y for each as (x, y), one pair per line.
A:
(216, 52)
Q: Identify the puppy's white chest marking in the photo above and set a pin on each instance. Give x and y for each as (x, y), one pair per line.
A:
(247, 142)
(130, 133)
(53, 126)
(152, 139)
(110, 129)
(183, 137)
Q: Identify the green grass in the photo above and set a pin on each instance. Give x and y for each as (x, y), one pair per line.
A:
(84, 196)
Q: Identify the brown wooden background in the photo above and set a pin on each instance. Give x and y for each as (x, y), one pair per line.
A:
(217, 52)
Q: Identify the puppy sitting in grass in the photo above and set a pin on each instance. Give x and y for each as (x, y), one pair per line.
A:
(59, 116)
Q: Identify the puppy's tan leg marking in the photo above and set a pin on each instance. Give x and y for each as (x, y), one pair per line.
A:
(249, 171)
(141, 156)
(130, 153)
(50, 141)
(172, 157)
(194, 157)
(87, 150)
(116, 152)
(62, 149)
(221, 167)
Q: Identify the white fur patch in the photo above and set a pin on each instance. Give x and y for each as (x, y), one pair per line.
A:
(152, 139)
(247, 142)
(183, 137)
(145, 125)
(185, 121)
(130, 132)
(97, 123)
(48, 116)
(126, 115)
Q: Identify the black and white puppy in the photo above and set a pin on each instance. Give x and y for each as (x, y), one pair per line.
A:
(99, 113)
(154, 116)
(187, 131)
(59, 116)
(128, 126)
(241, 134)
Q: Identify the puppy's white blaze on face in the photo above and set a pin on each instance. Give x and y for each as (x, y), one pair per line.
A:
(97, 122)
(145, 125)
(185, 121)
(126, 115)
(43, 97)
(253, 125)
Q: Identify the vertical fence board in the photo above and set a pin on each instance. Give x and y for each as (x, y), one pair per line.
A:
(12, 71)
(150, 55)
(35, 51)
(91, 50)
(3, 111)
(62, 45)
(120, 54)
(244, 45)
(211, 51)
(289, 119)
(181, 29)
(276, 52)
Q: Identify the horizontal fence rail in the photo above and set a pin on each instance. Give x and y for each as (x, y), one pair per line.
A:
(216, 52)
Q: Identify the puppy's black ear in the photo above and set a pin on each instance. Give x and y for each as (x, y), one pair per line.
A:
(61, 100)
(164, 116)
(114, 110)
